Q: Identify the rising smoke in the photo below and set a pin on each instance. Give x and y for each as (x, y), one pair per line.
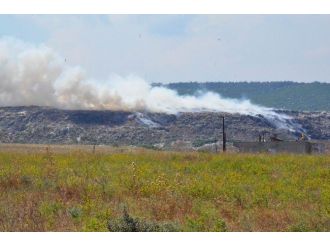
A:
(36, 75)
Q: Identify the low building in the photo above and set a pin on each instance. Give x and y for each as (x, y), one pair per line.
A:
(299, 147)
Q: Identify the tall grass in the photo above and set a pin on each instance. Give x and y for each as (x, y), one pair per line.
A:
(82, 191)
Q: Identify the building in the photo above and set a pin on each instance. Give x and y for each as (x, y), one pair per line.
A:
(298, 147)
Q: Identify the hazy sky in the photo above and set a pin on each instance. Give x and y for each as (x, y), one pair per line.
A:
(163, 48)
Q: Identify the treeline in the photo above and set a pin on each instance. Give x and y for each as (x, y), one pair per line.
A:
(287, 95)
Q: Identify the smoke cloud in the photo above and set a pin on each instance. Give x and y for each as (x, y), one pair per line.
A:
(37, 75)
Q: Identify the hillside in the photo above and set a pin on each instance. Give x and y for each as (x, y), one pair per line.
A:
(280, 95)
(48, 125)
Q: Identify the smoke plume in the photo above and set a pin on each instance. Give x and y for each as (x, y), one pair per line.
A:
(37, 75)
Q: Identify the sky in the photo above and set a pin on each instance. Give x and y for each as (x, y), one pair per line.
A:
(172, 48)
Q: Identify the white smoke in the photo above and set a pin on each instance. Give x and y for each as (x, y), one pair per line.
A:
(36, 75)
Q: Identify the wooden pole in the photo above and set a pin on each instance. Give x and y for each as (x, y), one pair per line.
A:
(223, 135)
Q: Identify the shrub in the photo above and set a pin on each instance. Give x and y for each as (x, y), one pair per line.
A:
(75, 212)
(149, 146)
(26, 180)
(199, 143)
(300, 227)
(129, 224)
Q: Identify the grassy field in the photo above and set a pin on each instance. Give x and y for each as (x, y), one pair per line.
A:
(73, 189)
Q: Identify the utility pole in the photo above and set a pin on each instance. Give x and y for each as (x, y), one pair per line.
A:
(223, 135)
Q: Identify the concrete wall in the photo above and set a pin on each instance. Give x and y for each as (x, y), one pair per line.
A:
(280, 147)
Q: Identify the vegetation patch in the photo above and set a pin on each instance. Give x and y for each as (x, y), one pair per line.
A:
(164, 191)
(199, 143)
(128, 223)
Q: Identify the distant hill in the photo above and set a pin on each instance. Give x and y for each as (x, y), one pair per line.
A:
(281, 95)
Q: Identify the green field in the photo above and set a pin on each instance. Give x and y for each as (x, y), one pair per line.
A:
(78, 190)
